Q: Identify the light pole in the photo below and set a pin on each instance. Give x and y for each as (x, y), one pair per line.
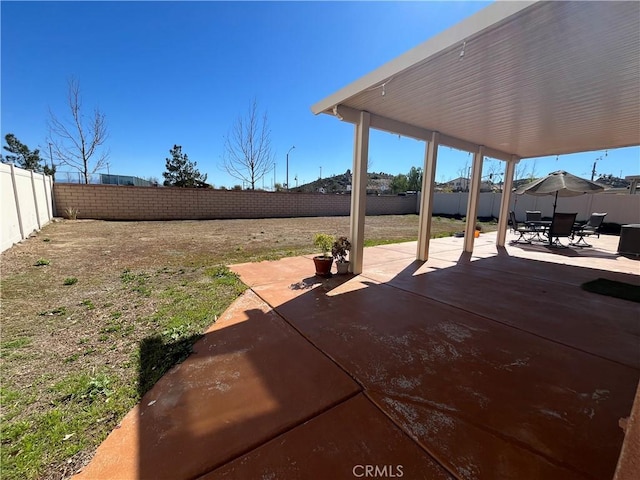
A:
(287, 184)
(51, 155)
(593, 171)
(274, 176)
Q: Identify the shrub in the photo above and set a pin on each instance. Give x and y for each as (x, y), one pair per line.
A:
(324, 242)
(71, 213)
(340, 248)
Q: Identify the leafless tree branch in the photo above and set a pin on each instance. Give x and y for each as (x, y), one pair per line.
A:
(76, 140)
(247, 147)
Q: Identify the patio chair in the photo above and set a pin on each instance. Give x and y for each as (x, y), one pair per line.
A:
(592, 227)
(561, 226)
(522, 230)
(533, 215)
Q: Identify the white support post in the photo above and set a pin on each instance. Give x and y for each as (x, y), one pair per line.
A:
(35, 199)
(426, 198)
(47, 196)
(472, 203)
(17, 199)
(503, 218)
(52, 184)
(359, 192)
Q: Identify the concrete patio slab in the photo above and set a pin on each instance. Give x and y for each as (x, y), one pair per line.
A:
(427, 353)
(550, 307)
(467, 448)
(266, 272)
(347, 441)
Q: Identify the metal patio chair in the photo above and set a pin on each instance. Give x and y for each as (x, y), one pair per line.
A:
(520, 229)
(535, 216)
(592, 227)
(561, 226)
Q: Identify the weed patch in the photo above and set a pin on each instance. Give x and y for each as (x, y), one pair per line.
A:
(137, 282)
(17, 343)
(89, 304)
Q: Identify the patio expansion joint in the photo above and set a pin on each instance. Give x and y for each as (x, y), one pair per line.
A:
(362, 390)
(466, 419)
(504, 324)
(420, 445)
(310, 342)
(366, 392)
(264, 441)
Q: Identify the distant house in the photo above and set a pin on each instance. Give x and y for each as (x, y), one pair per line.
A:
(461, 184)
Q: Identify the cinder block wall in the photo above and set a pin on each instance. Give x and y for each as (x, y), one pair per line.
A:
(112, 202)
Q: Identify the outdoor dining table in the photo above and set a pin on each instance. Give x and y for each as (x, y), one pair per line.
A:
(539, 227)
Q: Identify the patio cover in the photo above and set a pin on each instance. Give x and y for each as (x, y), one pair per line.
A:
(516, 80)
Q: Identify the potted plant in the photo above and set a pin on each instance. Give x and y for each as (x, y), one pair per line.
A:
(323, 262)
(339, 251)
(476, 234)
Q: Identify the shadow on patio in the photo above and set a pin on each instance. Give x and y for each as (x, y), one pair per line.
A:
(490, 366)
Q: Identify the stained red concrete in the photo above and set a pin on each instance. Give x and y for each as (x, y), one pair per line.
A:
(491, 365)
(534, 304)
(421, 352)
(345, 442)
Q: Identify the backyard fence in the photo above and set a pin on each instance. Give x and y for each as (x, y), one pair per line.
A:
(620, 208)
(26, 203)
(110, 202)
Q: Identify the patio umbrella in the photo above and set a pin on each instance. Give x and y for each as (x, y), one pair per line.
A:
(560, 184)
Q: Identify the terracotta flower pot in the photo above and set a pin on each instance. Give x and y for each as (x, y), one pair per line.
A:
(323, 265)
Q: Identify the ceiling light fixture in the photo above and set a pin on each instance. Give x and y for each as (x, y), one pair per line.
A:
(464, 45)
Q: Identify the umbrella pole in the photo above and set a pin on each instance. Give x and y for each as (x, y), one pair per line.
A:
(555, 202)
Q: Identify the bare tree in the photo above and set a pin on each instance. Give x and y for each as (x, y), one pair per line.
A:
(247, 148)
(519, 171)
(76, 140)
(533, 171)
(493, 169)
(465, 173)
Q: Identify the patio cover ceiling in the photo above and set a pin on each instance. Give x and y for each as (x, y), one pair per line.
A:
(529, 79)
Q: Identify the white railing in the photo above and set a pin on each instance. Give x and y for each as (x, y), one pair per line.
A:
(27, 203)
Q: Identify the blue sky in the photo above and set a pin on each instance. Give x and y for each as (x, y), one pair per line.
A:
(168, 73)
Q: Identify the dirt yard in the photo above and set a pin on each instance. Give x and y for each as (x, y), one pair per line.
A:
(79, 297)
